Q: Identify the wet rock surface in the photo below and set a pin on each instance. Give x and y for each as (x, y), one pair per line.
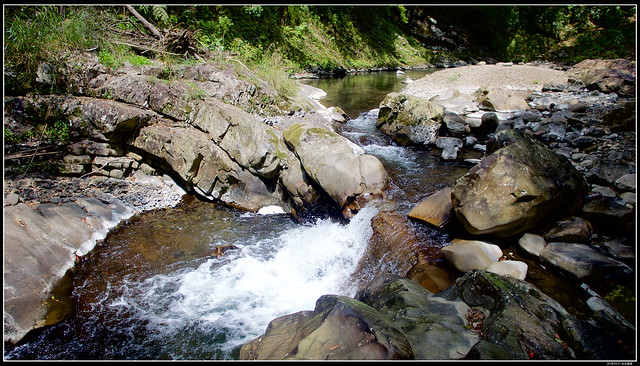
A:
(50, 224)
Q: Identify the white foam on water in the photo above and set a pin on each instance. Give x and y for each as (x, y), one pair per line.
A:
(265, 280)
(365, 126)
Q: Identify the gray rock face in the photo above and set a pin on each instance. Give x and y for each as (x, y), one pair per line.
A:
(40, 246)
(515, 187)
(341, 168)
(410, 120)
(435, 325)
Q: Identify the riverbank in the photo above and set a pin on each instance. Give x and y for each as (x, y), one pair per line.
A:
(50, 224)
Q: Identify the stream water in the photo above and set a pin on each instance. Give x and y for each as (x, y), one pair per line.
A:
(155, 289)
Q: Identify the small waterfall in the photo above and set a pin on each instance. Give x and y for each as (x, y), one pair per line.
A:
(236, 300)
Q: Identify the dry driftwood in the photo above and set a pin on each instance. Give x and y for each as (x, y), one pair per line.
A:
(144, 22)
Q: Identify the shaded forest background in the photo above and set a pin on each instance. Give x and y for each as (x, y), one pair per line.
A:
(277, 41)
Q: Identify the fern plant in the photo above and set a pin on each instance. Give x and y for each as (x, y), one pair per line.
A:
(156, 12)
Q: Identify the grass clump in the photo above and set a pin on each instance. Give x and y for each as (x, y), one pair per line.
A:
(37, 35)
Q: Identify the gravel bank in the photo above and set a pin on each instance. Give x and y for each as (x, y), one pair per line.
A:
(467, 79)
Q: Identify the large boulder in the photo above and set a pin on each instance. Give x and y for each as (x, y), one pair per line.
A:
(435, 325)
(609, 76)
(522, 321)
(339, 328)
(502, 99)
(206, 167)
(409, 119)
(518, 184)
(249, 142)
(348, 175)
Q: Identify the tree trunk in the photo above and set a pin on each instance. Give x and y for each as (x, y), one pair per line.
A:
(144, 22)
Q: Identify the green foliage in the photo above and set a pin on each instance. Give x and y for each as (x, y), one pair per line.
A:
(138, 60)
(621, 294)
(569, 33)
(273, 69)
(37, 34)
(157, 13)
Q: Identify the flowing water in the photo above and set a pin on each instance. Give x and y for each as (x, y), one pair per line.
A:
(157, 287)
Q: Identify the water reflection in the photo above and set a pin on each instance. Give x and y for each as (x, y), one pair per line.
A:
(362, 92)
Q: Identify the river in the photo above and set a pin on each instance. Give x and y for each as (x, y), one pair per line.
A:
(155, 289)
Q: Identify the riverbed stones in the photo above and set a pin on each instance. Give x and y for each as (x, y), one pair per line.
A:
(626, 183)
(616, 75)
(467, 255)
(515, 187)
(501, 99)
(572, 229)
(339, 328)
(410, 120)
(611, 215)
(456, 125)
(532, 244)
(450, 147)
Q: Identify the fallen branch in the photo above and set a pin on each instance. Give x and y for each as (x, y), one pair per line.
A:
(26, 155)
(144, 22)
(143, 49)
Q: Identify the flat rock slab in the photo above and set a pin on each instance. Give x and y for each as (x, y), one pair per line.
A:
(435, 209)
(40, 244)
(583, 262)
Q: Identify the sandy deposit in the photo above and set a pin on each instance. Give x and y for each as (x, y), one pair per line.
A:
(448, 83)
